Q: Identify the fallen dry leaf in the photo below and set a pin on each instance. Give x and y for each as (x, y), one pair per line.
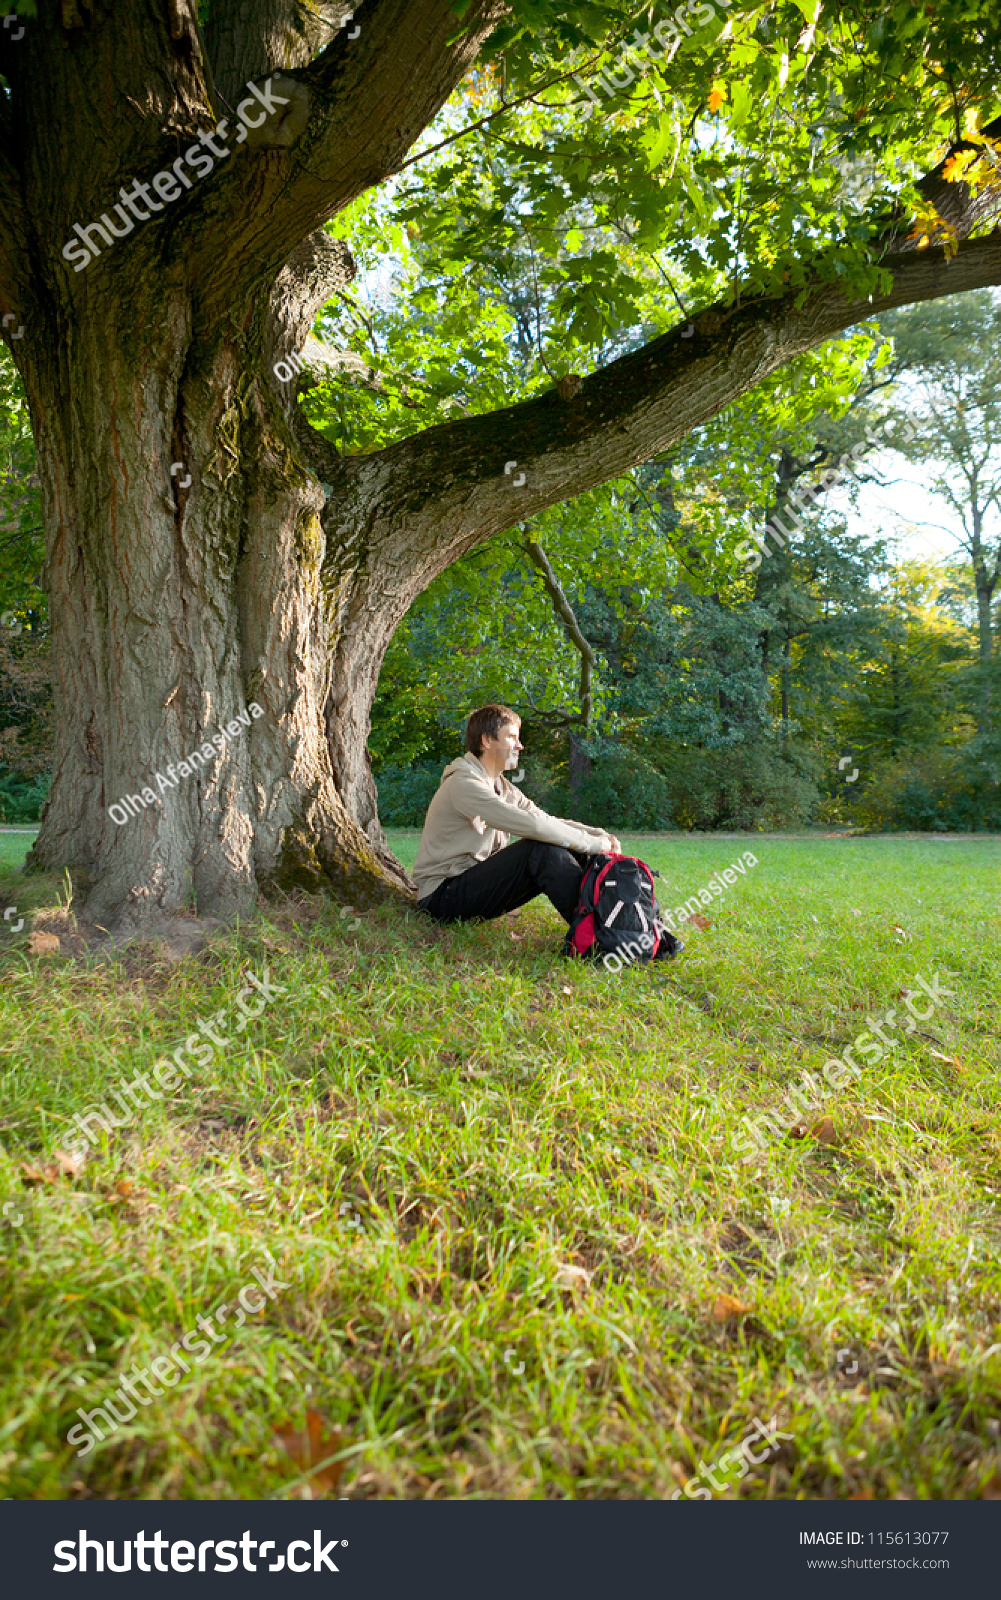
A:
(863, 1494)
(567, 989)
(799, 1130)
(699, 921)
(64, 1165)
(571, 1277)
(726, 1306)
(306, 1445)
(123, 1189)
(517, 936)
(43, 944)
(826, 1132)
(992, 1488)
(31, 1175)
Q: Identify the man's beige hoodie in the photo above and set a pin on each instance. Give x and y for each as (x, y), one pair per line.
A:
(469, 819)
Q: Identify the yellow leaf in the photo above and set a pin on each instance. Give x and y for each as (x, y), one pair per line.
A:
(726, 1306)
(717, 95)
(957, 164)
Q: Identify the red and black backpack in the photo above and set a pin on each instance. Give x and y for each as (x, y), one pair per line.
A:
(617, 913)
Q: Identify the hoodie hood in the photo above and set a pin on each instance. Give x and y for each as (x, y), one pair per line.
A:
(467, 764)
(460, 764)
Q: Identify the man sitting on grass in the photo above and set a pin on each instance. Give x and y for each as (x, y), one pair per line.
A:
(465, 866)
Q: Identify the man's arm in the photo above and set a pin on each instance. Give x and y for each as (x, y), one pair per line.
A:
(473, 797)
(525, 804)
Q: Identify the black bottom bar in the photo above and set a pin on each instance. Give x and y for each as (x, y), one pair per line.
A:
(482, 1549)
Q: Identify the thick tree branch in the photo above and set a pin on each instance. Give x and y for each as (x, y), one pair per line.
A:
(451, 482)
(317, 268)
(352, 116)
(246, 39)
(451, 479)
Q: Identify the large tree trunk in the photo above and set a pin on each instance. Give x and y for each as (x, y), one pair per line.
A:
(174, 608)
(194, 565)
(174, 605)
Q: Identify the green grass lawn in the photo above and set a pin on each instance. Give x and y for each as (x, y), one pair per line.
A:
(428, 1124)
(13, 849)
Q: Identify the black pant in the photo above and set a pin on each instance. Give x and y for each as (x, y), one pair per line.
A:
(509, 879)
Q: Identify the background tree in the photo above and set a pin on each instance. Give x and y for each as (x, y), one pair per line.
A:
(26, 731)
(952, 354)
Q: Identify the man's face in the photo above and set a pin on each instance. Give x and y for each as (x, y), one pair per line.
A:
(507, 744)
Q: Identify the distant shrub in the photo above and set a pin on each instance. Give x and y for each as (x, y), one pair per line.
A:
(406, 792)
(738, 787)
(748, 786)
(950, 790)
(21, 799)
(622, 791)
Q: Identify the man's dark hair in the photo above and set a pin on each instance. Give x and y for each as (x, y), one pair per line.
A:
(487, 720)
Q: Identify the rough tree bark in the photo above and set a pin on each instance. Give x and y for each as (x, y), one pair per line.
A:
(279, 573)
